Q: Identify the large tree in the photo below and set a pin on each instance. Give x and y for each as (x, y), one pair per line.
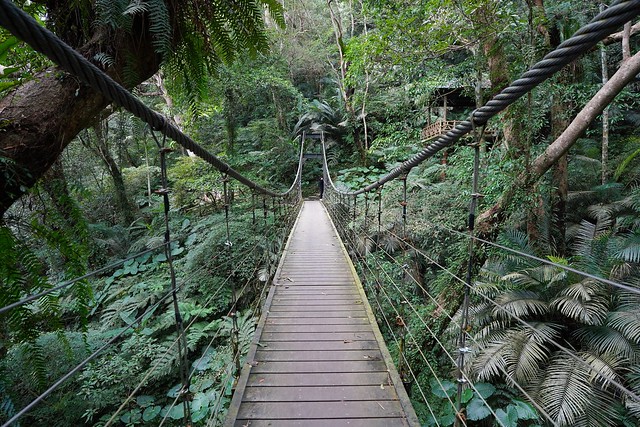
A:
(130, 40)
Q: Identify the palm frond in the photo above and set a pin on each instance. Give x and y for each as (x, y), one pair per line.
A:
(629, 247)
(585, 302)
(568, 395)
(627, 322)
(606, 341)
(489, 362)
(519, 304)
(530, 350)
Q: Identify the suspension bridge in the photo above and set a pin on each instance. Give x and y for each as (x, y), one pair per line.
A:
(318, 357)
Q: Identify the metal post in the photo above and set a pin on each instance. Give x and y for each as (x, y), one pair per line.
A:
(235, 333)
(180, 330)
(253, 210)
(379, 209)
(404, 206)
(464, 323)
(366, 210)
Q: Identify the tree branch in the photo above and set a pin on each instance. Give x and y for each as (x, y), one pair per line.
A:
(489, 220)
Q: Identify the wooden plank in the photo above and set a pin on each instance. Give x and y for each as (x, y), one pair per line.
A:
(320, 379)
(325, 410)
(320, 302)
(345, 422)
(308, 355)
(314, 292)
(316, 307)
(328, 328)
(318, 321)
(331, 366)
(317, 345)
(318, 394)
(316, 313)
(318, 336)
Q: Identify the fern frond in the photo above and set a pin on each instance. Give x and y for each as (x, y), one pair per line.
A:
(137, 7)
(160, 27)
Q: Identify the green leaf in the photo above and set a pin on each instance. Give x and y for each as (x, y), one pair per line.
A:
(525, 410)
(145, 400)
(6, 45)
(200, 400)
(177, 412)
(159, 258)
(466, 395)
(151, 412)
(477, 410)
(443, 389)
(509, 418)
(199, 414)
(144, 258)
(485, 390)
(201, 364)
(8, 85)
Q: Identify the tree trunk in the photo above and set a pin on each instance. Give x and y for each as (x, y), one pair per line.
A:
(489, 221)
(41, 116)
(605, 114)
(122, 200)
(346, 90)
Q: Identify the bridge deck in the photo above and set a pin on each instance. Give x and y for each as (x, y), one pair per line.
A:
(318, 358)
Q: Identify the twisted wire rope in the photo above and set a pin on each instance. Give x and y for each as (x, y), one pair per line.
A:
(44, 41)
(582, 41)
(175, 341)
(469, 336)
(82, 364)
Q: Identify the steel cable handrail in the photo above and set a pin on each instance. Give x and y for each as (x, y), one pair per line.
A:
(471, 337)
(231, 310)
(44, 41)
(244, 258)
(561, 347)
(77, 279)
(581, 42)
(604, 280)
(82, 364)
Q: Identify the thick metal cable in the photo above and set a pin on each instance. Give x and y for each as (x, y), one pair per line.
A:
(23, 26)
(82, 364)
(581, 42)
(432, 333)
(606, 281)
(76, 280)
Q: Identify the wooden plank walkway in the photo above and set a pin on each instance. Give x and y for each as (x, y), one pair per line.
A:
(318, 358)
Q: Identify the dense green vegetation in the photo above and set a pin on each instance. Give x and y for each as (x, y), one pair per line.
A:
(370, 75)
